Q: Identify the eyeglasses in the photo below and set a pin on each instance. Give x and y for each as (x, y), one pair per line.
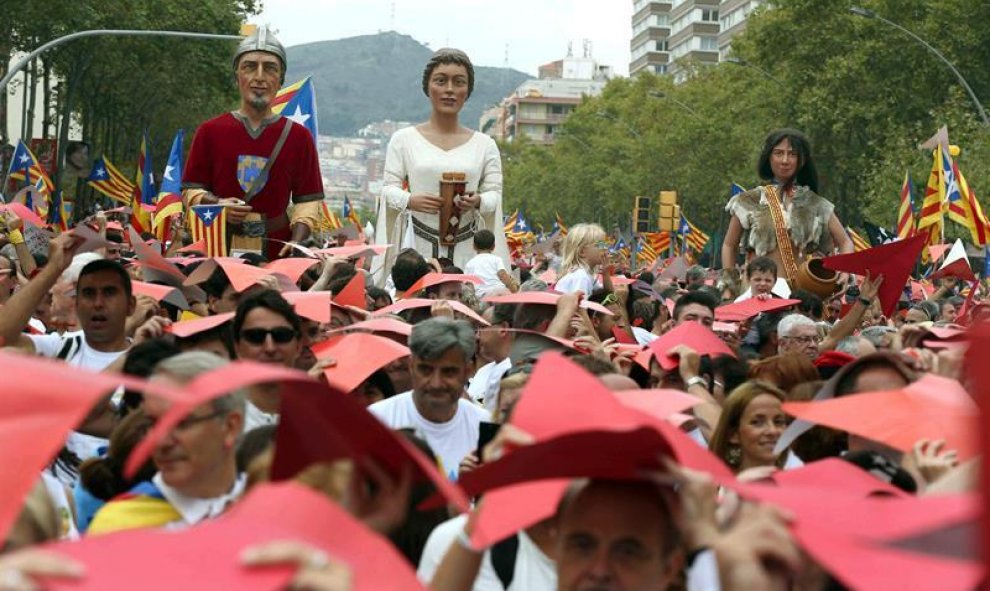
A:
(610, 299)
(280, 334)
(601, 244)
(188, 422)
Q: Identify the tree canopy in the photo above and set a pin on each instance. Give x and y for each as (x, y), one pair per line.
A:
(864, 93)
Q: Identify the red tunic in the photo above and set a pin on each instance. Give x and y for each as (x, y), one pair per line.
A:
(224, 143)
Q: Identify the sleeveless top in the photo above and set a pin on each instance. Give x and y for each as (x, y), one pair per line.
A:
(807, 221)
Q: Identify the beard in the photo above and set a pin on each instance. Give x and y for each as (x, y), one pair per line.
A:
(259, 102)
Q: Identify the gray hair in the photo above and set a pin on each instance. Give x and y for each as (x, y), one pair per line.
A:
(876, 334)
(185, 367)
(849, 345)
(788, 323)
(534, 284)
(695, 272)
(431, 338)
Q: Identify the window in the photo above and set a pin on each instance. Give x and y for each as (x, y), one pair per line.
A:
(709, 15)
(660, 68)
(661, 45)
(709, 44)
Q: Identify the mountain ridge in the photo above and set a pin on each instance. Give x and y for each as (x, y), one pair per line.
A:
(368, 78)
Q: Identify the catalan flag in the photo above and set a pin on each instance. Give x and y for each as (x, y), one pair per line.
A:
(905, 212)
(736, 189)
(105, 178)
(143, 201)
(209, 224)
(693, 237)
(645, 253)
(23, 160)
(510, 222)
(58, 217)
(660, 242)
(350, 213)
(859, 243)
(961, 202)
(620, 247)
(298, 102)
(169, 203)
(520, 231)
(930, 218)
(329, 220)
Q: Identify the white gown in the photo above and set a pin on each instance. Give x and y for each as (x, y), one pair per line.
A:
(414, 165)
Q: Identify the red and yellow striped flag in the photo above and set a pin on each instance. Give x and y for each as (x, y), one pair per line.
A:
(209, 224)
(905, 213)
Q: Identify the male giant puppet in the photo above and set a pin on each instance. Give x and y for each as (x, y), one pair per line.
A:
(252, 160)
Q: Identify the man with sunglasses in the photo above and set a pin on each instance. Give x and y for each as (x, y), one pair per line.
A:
(197, 476)
(266, 330)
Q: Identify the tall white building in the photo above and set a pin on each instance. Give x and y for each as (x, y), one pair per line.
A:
(732, 21)
(649, 51)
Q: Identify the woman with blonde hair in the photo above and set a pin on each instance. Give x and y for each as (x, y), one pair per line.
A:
(750, 426)
(583, 250)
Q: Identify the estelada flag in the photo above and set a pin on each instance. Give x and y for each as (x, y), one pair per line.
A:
(209, 224)
(169, 201)
(105, 178)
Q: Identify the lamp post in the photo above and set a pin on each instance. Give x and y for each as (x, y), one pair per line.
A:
(866, 13)
(662, 95)
(745, 64)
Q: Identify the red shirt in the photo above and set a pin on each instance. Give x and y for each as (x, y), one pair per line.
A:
(223, 144)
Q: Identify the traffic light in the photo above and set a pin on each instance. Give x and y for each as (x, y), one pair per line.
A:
(670, 213)
(641, 214)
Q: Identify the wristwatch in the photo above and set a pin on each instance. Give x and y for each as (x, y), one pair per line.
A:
(696, 381)
(865, 301)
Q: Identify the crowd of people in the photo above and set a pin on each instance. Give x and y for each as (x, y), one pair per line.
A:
(428, 412)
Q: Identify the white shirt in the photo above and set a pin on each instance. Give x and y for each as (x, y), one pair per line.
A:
(82, 355)
(578, 279)
(483, 388)
(450, 441)
(194, 510)
(486, 266)
(780, 289)
(534, 570)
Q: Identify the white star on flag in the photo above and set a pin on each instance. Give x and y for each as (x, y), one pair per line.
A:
(208, 215)
(100, 172)
(25, 158)
(168, 173)
(300, 117)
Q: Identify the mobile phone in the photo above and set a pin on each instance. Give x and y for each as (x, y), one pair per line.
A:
(486, 432)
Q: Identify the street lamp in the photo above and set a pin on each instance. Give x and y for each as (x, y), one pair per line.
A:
(662, 95)
(866, 13)
(745, 64)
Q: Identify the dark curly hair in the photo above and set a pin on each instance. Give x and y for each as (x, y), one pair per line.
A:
(445, 56)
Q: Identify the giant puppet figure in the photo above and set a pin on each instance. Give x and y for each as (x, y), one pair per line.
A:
(253, 161)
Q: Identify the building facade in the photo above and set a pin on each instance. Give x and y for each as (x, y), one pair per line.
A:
(649, 49)
(732, 21)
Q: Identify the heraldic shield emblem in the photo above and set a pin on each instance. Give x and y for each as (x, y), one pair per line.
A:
(248, 169)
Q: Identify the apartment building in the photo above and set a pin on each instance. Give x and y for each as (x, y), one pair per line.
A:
(650, 33)
(732, 21)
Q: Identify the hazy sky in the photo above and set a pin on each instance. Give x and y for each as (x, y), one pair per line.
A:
(536, 31)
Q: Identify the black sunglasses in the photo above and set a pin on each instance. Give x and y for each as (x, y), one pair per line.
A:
(280, 334)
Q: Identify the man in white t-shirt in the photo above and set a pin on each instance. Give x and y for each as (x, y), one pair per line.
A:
(435, 408)
(488, 266)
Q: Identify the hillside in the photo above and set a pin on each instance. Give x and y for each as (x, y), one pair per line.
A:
(375, 77)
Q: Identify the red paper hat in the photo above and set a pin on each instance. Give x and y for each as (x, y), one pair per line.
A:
(836, 474)
(751, 307)
(548, 298)
(161, 293)
(358, 355)
(317, 425)
(378, 326)
(240, 275)
(894, 261)
(354, 293)
(314, 305)
(432, 279)
(955, 264)
(410, 304)
(291, 267)
(931, 408)
(937, 251)
(355, 251)
(692, 334)
(572, 415)
(198, 246)
(622, 337)
(42, 401)
(833, 359)
(659, 403)
(208, 556)
(188, 328)
(22, 211)
(152, 257)
(513, 508)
